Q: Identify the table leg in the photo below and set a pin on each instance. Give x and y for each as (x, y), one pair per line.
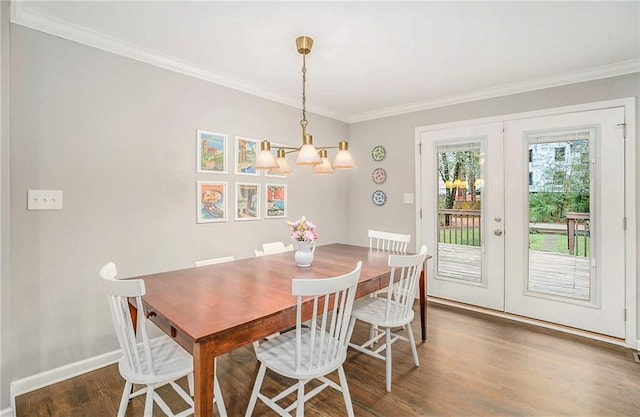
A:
(203, 372)
(423, 310)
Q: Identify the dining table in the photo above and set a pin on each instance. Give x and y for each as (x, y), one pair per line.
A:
(212, 310)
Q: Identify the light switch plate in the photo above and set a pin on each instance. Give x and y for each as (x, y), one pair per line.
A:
(44, 200)
(407, 198)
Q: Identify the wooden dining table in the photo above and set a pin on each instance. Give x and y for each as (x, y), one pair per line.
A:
(214, 309)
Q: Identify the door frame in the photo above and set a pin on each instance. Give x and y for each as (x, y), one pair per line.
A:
(629, 190)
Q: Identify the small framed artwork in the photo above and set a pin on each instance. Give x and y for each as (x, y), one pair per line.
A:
(274, 151)
(246, 154)
(276, 201)
(212, 152)
(247, 201)
(211, 201)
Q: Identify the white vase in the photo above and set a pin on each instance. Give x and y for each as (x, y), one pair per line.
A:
(304, 254)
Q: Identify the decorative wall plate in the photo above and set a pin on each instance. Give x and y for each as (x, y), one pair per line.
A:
(379, 175)
(378, 153)
(379, 198)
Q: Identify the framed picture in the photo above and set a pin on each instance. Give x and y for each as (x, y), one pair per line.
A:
(212, 152)
(246, 153)
(276, 201)
(247, 201)
(211, 202)
(274, 151)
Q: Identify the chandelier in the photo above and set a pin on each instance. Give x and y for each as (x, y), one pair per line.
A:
(307, 153)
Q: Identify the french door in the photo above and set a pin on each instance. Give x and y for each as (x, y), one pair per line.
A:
(527, 217)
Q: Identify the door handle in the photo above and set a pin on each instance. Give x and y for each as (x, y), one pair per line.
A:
(497, 232)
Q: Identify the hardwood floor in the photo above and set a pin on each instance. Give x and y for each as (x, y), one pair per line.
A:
(471, 365)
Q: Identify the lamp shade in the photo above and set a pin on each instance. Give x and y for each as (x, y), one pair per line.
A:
(308, 155)
(283, 164)
(325, 166)
(265, 159)
(343, 159)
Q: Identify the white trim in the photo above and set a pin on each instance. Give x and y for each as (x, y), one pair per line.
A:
(52, 376)
(590, 74)
(526, 320)
(630, 193)
(630, 210)
(21, 15)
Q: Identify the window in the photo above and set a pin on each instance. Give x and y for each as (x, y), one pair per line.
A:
(530, 158)
(530, 176)
(560, 154)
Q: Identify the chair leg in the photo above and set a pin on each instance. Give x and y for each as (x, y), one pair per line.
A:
(217, 396)
(148, 404)
(124, 401)
(345, 391)
(373, 331)
(388, 358)
(413, 344)
(190, 383)
(256, 390)
(300, 406)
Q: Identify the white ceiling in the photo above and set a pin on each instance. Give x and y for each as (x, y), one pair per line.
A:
(370, 59)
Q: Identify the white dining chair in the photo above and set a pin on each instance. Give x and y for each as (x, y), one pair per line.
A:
(394, 310)
(311, 352)
(214, 261)
(275, 247)
(386, 241)
(148, 362)
(393, 242)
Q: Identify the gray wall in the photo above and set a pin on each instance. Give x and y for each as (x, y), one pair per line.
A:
(5, 289)
(118, 137)
(397, 134)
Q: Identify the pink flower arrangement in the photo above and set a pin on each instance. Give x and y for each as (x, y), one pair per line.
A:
(303, 230)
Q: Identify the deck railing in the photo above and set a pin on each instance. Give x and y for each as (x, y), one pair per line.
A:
(460, 227)
(578, 226)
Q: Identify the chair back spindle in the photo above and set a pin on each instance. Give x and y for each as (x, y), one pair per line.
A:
(386, 241)
(329, 329)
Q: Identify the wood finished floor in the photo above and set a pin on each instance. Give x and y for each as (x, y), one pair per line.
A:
(471, 365)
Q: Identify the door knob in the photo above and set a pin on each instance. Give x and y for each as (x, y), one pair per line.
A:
(497, 232)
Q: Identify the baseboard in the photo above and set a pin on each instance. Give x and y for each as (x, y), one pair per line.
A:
(544, 324)
(34, 382)
(7, 412)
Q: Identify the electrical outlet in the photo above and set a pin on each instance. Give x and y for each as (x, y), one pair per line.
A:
(407, 198)
(44, 200)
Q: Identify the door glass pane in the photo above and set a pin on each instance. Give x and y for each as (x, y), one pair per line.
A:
(460, 184)
(559, 213)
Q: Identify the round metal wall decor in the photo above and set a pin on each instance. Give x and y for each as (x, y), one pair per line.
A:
(379, 175)
(379, 198)
(378, 153)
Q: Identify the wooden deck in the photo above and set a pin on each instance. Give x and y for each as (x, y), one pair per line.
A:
(550, 273)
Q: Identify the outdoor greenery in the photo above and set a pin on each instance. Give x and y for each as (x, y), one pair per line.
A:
(537, 241)
(458, 165)
(564, 185)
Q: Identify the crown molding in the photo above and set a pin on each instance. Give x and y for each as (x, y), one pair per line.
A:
(21, 15)
(590, 74)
